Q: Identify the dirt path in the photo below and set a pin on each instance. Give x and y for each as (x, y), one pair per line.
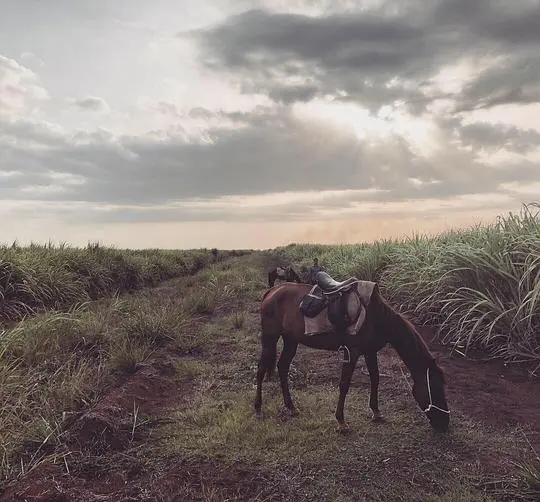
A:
(180, 428)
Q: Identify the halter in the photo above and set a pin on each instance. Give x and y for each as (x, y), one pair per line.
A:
(431, 405)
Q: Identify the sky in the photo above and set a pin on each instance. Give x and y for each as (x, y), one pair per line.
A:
(256, 123)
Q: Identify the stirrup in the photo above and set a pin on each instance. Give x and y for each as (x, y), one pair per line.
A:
(346, 353)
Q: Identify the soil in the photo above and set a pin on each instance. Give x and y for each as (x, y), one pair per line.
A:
(484, 390)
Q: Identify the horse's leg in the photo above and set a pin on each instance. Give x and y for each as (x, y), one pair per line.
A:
(347, 370)
(267, 361)
(373, 369)
(284, 363)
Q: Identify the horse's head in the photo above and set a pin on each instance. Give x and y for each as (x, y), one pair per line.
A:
(429, 392)
(292, 275)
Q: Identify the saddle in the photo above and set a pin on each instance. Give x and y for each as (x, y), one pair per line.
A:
(329, 285)
(334, 295)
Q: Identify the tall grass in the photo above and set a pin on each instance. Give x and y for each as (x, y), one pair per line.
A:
(41, 277)
(481, 285)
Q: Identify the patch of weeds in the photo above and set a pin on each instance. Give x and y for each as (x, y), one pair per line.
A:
(42, 377)
(238, 319)
(204, 302)
(51, 337)
(124, 355)
(57, 363)
(197, 341)
(224, 423)
(524, 485)
(188, 369)
(156, 326)
(529, 480)
(460, 493)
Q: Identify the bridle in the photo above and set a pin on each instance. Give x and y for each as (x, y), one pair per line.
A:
(431, 405)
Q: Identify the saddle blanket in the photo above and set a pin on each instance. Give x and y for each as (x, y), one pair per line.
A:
(355, 308)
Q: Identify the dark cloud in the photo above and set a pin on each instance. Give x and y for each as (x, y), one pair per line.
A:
(292, 93)
(258, 37)
(91, 103)
(32, 131)
(486, 136)
(327, 53)
(359, 52)
(514, 80)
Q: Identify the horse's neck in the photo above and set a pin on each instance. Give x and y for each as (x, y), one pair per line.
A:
(408, 344)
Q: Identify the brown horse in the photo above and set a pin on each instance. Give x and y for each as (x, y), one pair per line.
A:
(284, 273)
(281, 317)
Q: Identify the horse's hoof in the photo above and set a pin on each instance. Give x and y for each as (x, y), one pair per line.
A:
(293, 412)
(259, 415)
(377, 418)
(343, 428)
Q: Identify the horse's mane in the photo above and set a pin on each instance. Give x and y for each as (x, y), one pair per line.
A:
(401, 324)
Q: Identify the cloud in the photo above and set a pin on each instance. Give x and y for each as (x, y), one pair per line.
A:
(294, 56)
(19, 88)
(377, 56)
(30, 58)
(272, 153)
(91, 103)
(492, 136)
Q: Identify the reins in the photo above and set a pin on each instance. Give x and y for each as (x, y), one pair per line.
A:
(431, 405)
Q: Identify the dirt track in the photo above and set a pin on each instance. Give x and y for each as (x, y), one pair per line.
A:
(106, 458)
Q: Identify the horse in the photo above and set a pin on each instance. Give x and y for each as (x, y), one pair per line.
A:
(283, 273)
(281, 317)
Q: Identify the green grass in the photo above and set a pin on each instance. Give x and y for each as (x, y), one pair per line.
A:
(41, 277)
(400, 460)
(481, 285)
(56, 363)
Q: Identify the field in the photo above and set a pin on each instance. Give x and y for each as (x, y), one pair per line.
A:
(141, 389)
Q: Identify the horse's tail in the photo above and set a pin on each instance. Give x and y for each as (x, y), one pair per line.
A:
(269, 336)
(269, 346)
